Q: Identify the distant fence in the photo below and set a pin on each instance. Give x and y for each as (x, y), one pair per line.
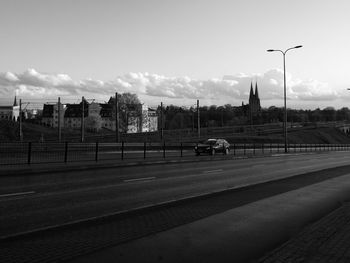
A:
(35, 152)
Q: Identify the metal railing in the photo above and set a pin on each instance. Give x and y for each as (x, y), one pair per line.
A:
(35, 152)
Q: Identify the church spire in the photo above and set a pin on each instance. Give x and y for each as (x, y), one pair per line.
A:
(15, 102)
(256, 90)
(251, 94)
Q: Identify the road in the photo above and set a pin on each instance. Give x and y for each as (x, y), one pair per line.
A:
(37, 201)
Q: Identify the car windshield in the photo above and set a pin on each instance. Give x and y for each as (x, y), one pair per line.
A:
(210, 142)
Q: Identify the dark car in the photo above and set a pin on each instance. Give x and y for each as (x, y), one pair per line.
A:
(212, 146)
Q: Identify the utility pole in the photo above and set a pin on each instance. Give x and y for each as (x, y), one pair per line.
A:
(59, 118)
(161, 121)
(198, 121)
(20, 121)
(192, 112)
(82, 119)
(116, 107)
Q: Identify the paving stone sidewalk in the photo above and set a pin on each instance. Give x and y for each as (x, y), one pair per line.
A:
(327, 240)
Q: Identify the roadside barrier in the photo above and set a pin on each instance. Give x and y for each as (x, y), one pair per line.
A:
(51, 152)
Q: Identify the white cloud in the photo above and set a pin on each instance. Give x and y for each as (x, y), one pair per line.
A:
(154, 88)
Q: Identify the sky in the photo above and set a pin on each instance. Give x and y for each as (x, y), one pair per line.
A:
(176, 51)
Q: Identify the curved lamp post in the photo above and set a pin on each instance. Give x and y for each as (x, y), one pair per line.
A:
(285, 100)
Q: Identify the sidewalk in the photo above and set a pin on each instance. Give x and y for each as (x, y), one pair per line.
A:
(327, 240)
(247, 233)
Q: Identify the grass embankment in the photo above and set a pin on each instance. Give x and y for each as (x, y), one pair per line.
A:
(309, 136)
(319, 135)
(9, 131)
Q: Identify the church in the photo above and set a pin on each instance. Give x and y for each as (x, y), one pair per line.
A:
(254, 102)
(252, 111)
(10, 112)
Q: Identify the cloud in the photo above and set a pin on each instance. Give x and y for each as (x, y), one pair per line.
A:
(231, 89)
(271, 87)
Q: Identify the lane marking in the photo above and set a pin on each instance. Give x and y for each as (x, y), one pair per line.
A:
(258, 165)
(213, 171)
(17, 194)
(139, 179)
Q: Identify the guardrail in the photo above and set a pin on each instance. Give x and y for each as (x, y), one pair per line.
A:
(35, 152)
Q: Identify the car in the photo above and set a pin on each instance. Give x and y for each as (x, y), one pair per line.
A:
(212, 146)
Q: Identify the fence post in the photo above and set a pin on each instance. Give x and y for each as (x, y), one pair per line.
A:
(253, 148)
(262, 148)
(164, 149)
(29, 152)
(270, 147)
(96, 152)
(144, 150)
(244, 149)
(122, 151)
(181, 148)
(234, 149)
(66, 152)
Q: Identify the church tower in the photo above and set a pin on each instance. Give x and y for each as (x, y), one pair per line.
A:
(254, 104)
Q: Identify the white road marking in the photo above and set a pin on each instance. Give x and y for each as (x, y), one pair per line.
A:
(17, 194)
(139, 179)
(213, 171)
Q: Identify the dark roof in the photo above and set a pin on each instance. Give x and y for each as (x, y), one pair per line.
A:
(48, 111)
(75, 110)
(106, 110)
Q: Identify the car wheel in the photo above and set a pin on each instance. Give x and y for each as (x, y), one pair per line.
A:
(226, 151)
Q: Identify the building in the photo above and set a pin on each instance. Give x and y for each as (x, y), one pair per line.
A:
(73, 114)
(254, 101)
(150, 120)
(251, 112)
(141, 119)
(133, 118)
(10, 112)
(107, 116)
(47, 118)
(51, 115)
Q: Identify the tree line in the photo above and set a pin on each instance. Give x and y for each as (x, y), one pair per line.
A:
(176, 117)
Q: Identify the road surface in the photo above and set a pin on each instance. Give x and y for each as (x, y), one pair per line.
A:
(30, 202)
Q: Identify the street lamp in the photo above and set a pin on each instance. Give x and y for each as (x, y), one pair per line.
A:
(285, 99)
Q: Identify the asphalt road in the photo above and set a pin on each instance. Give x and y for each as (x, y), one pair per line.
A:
(36, 201)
